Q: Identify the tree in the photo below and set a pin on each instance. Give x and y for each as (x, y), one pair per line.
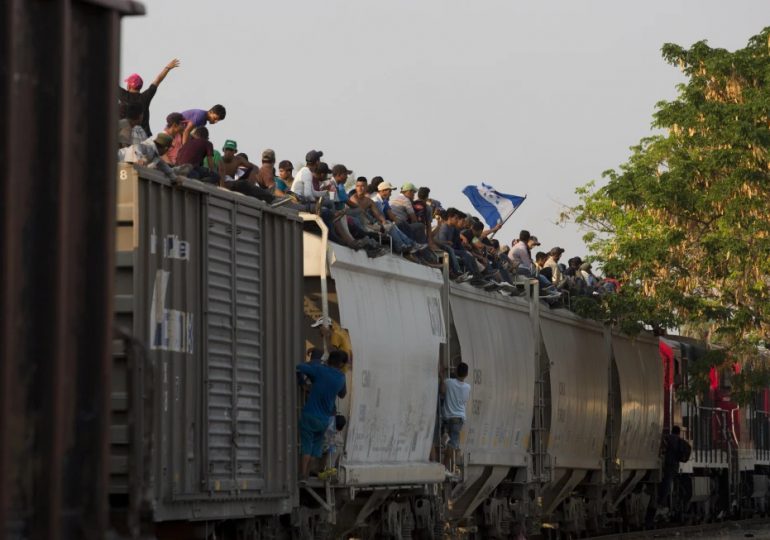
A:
(684, 224)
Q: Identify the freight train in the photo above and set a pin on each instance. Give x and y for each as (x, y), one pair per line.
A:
(216, 296)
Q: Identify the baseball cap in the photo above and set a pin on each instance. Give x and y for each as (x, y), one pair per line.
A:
(408, 186)
(230, 145)
(534, 240)
(385, 185)
(163, 139)
(134, 81)
(340, 169)
(313, 156)
(268, 155)
(322, 168)
(556, 251)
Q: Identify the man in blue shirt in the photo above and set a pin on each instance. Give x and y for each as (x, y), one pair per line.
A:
(328, 384)
(456, 393)
(448, 239)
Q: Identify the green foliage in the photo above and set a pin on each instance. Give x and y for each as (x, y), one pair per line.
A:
(683, 224)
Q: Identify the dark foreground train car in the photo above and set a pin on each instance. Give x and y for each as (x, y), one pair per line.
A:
(208, 302)
(58, 67)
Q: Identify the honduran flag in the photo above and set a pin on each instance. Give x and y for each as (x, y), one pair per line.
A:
(492, 205)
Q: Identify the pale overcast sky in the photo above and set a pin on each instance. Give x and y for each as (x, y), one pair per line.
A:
(532, 97)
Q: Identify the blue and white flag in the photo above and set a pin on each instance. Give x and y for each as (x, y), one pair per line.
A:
(492, 205)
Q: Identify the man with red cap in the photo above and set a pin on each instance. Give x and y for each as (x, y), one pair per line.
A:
(133, 93)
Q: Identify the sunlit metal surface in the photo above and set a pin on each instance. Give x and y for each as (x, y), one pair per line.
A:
(640, 373)
(579, 361)
(385, 303)
(497, 344)
(496, 341)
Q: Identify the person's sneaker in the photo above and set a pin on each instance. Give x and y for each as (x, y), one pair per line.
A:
(466, 276)
(326, 474)
(451, 477)
(373, 253)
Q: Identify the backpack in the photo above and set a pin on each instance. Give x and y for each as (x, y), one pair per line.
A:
(684, 451)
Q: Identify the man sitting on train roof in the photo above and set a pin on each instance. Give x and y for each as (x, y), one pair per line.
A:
(238, 173)
(521, 260)
(197, 149)
(402, 243)
(148, 154)
(405, 217)
(285, 175)
(194, 118)
(447, 238)
(367, 215)
(302, 186)
(266, 175)
(175, 124)
(328, 383)
(553, 263)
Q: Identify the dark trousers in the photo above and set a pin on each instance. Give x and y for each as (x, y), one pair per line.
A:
(252, 190)
(665, 486)
(204, 175)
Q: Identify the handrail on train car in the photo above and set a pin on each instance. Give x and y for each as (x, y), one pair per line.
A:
(326, 320)
(732, 417)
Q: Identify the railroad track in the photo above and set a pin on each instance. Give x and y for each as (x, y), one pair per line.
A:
(689, 530)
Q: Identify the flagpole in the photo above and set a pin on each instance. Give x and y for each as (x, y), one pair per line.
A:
(506, 219)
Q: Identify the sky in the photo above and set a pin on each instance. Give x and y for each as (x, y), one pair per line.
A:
(535, 98)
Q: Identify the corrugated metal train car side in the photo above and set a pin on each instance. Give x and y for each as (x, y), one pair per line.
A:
(209, 287)
(58, 68)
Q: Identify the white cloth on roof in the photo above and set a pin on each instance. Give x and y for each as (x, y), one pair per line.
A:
(147, 155)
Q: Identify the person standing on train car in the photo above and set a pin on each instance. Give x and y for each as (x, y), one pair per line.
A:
(671, 455)
(456, 393)
(328, 383)
(132, 93)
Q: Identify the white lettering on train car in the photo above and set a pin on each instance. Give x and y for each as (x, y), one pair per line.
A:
(170, 329)
(436, 320)
(174, 248)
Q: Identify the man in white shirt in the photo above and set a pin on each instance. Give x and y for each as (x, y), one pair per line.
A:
(553, 263)
(303, 180)
(456, 393)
